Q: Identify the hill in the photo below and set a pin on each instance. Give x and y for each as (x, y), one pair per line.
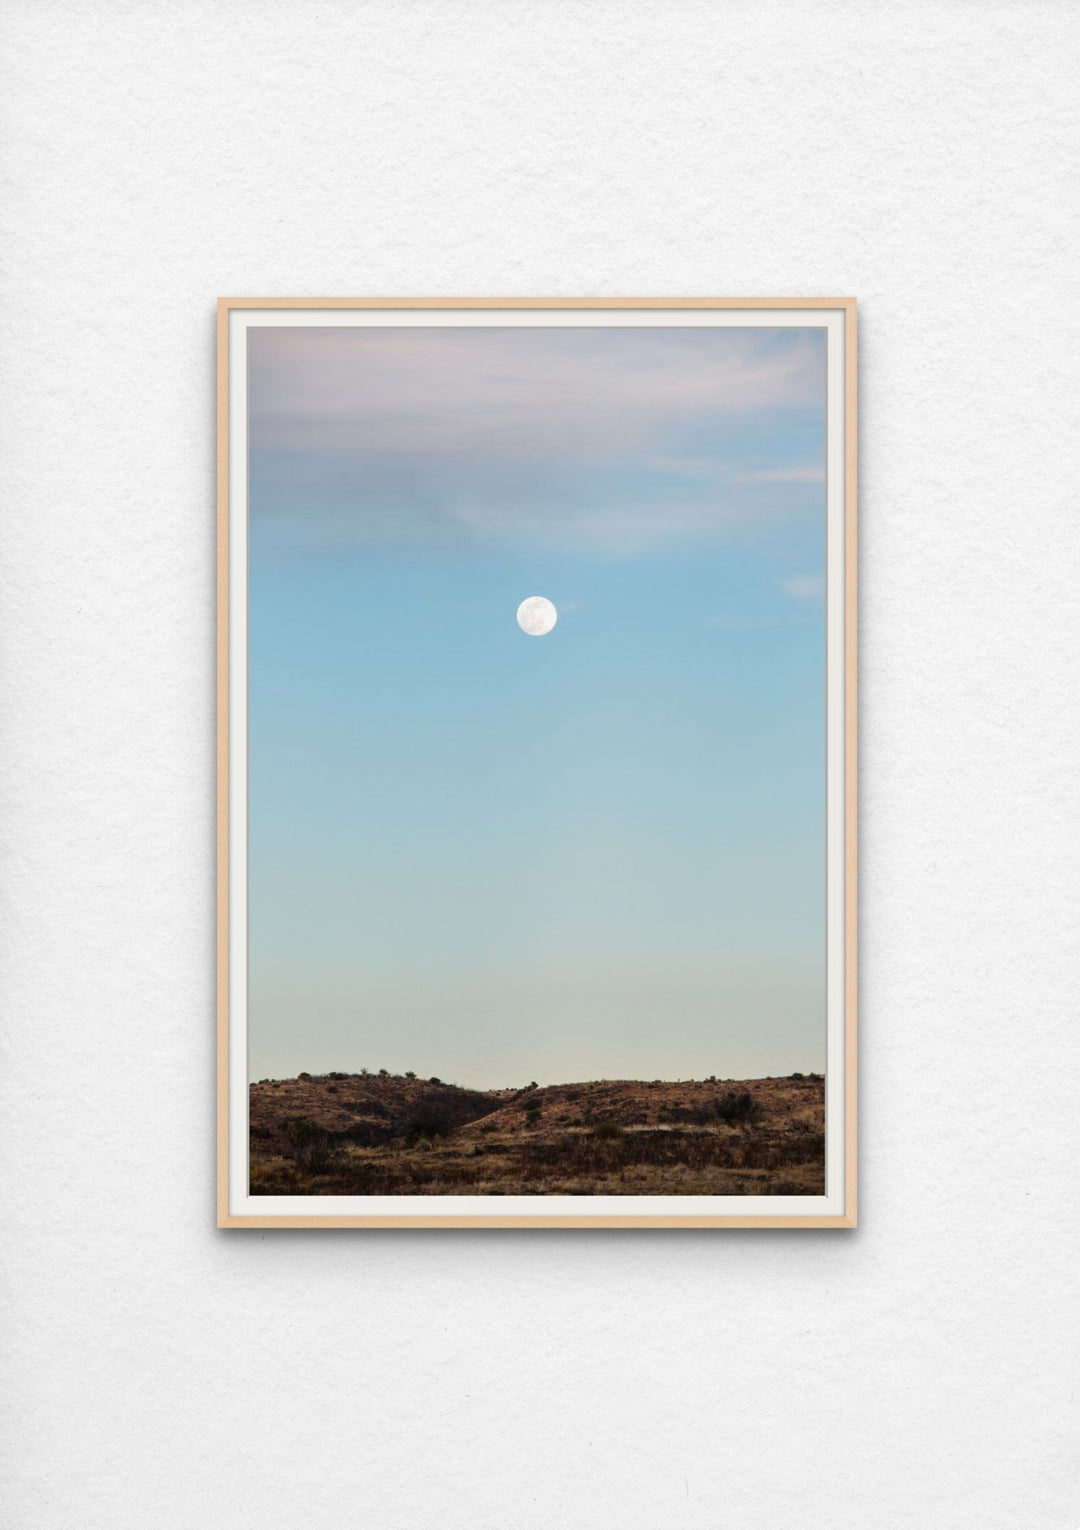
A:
(388, 1134)
(365, 1108)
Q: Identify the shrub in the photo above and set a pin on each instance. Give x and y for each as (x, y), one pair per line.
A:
(428, 1124)
(311, 1144)
(303, 1075)
(607, 1131)
(434, 1080)
(410, 1075)
(488, 1127)
(337, 1075)
(383, 1073)
(738, 1108)
(331, 1089)
(796, 1075)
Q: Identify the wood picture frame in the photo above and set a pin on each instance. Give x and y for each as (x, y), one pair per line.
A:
(835, 319)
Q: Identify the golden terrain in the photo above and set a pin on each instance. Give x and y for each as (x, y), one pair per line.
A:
(385, 1134)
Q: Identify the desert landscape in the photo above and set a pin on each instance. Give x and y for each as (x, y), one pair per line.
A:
(379, 1133)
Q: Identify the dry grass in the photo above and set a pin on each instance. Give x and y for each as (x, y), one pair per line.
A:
(395, 1136)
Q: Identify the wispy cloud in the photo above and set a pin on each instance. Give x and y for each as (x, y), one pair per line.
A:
(808, 474)
(689, 467)
(716, 468)
(806, 586)
(604, 526)
(515, 392)
(585, 438)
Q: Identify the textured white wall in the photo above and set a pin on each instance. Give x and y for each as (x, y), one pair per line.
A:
(915, 1373)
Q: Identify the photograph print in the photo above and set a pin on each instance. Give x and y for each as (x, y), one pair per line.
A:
(537, 776)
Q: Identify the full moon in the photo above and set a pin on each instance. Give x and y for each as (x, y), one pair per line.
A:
(535, 615)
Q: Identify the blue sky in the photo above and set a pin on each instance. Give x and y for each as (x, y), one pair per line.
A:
(598, 853)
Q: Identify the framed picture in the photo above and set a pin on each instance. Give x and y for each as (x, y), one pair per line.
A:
(537, 768)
